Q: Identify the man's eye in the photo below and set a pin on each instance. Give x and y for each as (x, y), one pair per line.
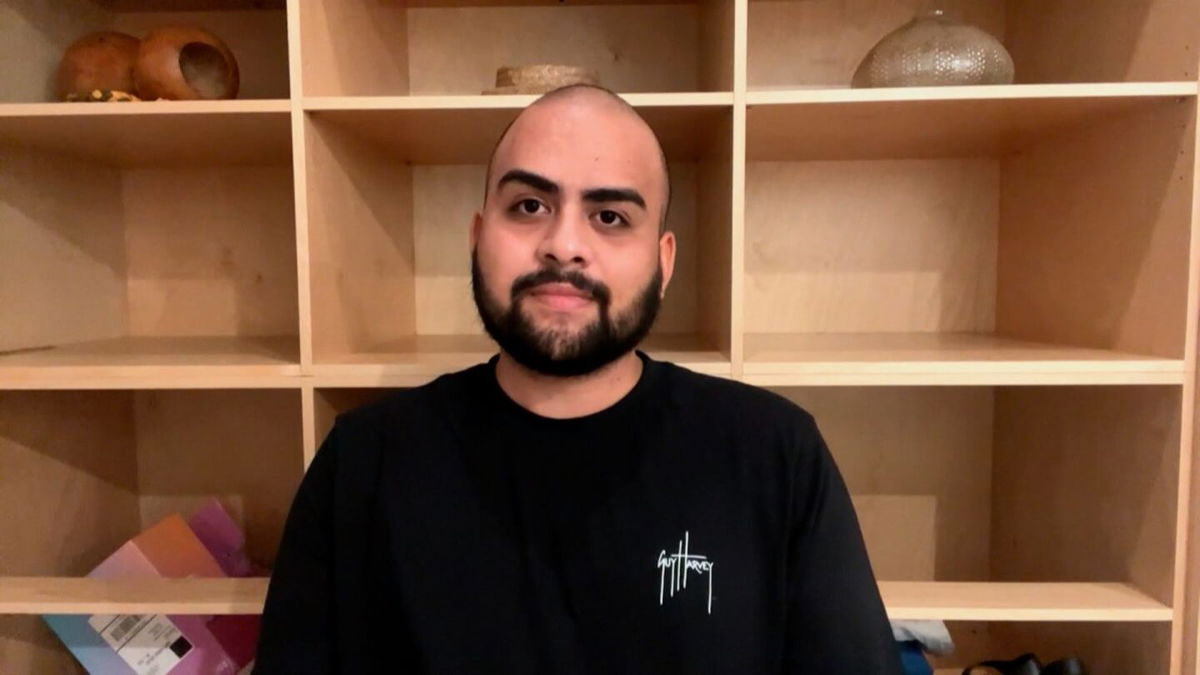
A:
(611, 219)
(527, 207)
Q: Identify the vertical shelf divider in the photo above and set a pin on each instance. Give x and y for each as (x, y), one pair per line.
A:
(300, 185)
(308, 417)
(741, 9)
(300, 188)
(1185, 632)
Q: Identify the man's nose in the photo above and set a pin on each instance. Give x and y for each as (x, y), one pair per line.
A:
(567, 239)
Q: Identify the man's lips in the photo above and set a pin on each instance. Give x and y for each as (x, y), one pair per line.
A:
(560, 296)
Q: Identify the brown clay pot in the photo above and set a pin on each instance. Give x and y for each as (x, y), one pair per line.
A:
(185, 63)
(97, 61)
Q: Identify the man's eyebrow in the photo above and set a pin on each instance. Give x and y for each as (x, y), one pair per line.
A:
(607, 194)
(543, 184)
(529, 178)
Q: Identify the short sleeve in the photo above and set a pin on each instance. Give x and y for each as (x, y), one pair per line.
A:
(836, 622)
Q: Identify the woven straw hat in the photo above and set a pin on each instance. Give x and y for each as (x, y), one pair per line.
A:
(540, 78)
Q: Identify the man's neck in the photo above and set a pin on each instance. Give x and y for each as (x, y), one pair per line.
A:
(563, 397)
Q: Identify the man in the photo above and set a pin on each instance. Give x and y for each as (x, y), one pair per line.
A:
(572, 505)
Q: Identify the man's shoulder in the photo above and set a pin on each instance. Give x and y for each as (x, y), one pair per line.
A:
(749, 415)
(727, 396)
(409, 403)
(762, 425)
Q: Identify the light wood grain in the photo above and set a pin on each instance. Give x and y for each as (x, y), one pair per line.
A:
(1134, 40)
(927, 122)
(155, 362)
(1186, 597)
(1185, 631)
(189, 5)
(464, 130)
(871, 246)
(1088, 469)
(210, 251)
(35, 34)
(62, 251)
(77, 480)
(966, 601)
(67, 595)
(360, 241)
(356, 47)
(526, 3)
(900, 532)
(942, 358)
(1094, 245)
(513, 102)
(707, 246)
(904, 600)
(156, 134)
(716, 44)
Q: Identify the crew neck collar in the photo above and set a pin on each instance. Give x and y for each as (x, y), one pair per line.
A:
(631, 399)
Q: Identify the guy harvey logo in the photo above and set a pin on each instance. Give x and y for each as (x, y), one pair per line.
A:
(679, 565)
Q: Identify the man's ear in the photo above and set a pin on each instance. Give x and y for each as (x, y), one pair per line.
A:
(476, 223)
(666, 257)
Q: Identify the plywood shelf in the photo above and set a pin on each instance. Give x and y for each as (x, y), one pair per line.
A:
(416, 360)
(513, 102)
(796, 359)
(189, 5)
(464, 129)
(999, 601)
(525, 3)
(772, 360)
(159, 134)
(155, 362)
(73, 595)
(930, 122)
(783, 95)
(948, 601)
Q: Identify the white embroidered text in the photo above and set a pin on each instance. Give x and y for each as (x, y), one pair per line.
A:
(679, 564)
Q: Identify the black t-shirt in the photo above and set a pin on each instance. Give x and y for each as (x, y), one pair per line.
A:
(698, 525)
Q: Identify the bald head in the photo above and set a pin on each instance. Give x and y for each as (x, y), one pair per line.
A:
(604, 112)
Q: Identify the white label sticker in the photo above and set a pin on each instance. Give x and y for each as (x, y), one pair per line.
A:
(149, 643)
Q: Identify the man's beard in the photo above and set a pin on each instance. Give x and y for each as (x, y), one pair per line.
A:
(552, 352)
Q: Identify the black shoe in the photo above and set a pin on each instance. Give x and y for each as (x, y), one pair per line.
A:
(1025, 664)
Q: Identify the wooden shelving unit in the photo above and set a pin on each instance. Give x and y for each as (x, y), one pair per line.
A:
(987, 296)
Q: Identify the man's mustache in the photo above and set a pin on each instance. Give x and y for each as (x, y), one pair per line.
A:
(550, 275)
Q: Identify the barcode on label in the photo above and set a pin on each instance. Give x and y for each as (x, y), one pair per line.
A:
(151, 644)
(127, 624)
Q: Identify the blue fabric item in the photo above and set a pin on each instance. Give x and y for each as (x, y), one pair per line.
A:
(912, 658)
